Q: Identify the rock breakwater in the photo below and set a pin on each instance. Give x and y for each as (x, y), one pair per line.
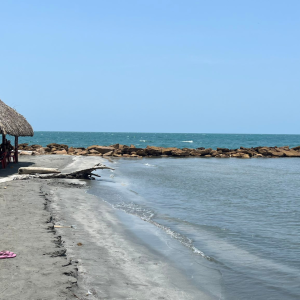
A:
(119, 150)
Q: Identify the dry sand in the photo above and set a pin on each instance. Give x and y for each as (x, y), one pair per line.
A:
(101, 261)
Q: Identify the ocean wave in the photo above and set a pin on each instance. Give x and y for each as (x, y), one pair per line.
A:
(135, 209)
(187, 141)
(144, 141)
(187, 242)
(148, 165)
(147, 215)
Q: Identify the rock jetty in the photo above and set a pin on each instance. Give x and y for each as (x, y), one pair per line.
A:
(119, 150)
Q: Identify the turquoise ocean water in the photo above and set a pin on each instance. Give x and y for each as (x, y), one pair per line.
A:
(232, 226)
(179, 140)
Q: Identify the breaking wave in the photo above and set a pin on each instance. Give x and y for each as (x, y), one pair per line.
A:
(147, 215)
(149, 165)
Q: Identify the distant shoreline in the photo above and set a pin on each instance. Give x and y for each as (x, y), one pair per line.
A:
(118, 150)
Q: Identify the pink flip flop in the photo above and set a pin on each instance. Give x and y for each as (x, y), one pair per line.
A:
(7, 254)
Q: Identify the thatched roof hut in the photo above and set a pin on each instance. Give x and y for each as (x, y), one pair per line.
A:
(13, 123)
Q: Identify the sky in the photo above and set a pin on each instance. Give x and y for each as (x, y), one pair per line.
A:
(152, 66)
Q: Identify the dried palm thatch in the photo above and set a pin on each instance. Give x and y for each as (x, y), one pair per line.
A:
(13, 123)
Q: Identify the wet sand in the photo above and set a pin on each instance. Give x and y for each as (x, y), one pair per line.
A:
(36, 272)
(102, 261)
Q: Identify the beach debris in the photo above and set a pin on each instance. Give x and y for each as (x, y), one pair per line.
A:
(79, 244)
(89, 293)
(7, 254)
(26, 152)
(57, 253)
(36, 170)
(69, 263)
(87, 173)
(43, 173)
(61, 226)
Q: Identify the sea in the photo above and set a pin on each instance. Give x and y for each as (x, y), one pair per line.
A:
(232, 226)
(179, 140)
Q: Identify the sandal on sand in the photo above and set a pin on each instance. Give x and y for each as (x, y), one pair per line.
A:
(7, 254)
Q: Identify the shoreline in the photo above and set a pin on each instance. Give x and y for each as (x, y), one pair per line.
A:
(118, 150)
(102, 262)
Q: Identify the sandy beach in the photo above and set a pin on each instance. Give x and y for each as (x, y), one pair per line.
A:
(149, 150)
(89, 257)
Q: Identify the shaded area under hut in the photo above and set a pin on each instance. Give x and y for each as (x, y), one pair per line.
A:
(12, 123)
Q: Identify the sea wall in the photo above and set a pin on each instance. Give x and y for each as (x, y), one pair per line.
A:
(118, 150)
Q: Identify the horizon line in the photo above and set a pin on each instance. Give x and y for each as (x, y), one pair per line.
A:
(166, 132)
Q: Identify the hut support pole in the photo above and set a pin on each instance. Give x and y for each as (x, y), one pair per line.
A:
(16, 149)
(3, 142)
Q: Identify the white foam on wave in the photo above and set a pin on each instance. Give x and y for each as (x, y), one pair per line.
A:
(187, 242)
(144, 141)
(148, 165)
(187, 141)
(135, 209)
(147, 215)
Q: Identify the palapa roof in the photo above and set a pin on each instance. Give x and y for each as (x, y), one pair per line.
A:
(11, 122)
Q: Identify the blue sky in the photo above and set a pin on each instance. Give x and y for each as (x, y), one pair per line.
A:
(152, 66)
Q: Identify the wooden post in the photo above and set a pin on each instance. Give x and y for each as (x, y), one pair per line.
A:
(4, 148)
(3, 142)
(16, 149)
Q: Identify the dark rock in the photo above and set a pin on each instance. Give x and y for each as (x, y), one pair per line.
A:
(116, 146)
(58, 146)
(296, 148)
(152, 150)
(214, 153)
(141, 152)
(195, 152)
(84, 152)
(23, 145)
(130, 150)
(35, 146)
(205, 151)
(284, 148)
(168, 151)
(223, 149)
(180, 152)
(292, 153)
(110, 153)
(101, 149)
(240, 155)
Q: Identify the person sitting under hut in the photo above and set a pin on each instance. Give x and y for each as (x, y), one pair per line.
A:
(8, 149)
(9, 146)
(2, 148)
